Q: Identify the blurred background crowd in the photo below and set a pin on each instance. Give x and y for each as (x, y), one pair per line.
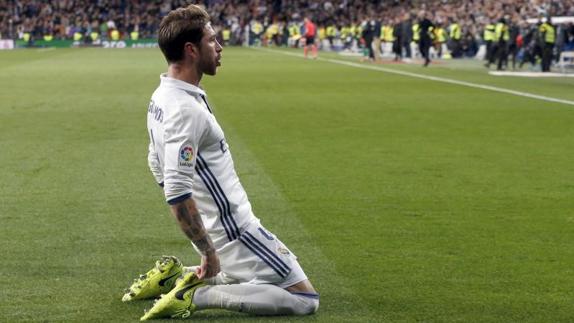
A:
(462, 26)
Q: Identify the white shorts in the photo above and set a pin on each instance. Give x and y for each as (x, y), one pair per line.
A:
(258, 257)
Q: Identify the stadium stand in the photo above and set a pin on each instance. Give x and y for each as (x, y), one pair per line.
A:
(459, 25)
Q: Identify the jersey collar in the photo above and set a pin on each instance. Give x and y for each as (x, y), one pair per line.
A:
(171, 82)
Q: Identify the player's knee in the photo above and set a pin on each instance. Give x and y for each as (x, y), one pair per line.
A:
(306, 306)
(313, 306)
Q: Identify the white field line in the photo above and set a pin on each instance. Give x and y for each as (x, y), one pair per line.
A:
(529, 74)
(434, 78)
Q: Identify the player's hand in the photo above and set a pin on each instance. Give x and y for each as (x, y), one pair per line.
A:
(209, 265)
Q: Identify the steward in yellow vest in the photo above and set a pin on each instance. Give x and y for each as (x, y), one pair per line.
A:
(488, 34)
(501, 32)
(440, 39)
(331, 32)
(432, 34)
(388, 33)
(501, 37)
(115, 35)
(548, 35)
(416, 33)
(270, 34)
(257, 28)
(488, 37)
(294, 35)
(293, 31)
(548, 32)
(455, 35)
(255, 34)
(345, 32)
(94, 36)
(455, 32)
(226, 35)
(440, 35)
(347, 37)
(322, 33)
(356, 31)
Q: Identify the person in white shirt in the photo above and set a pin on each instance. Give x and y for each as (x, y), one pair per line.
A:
(243, 266)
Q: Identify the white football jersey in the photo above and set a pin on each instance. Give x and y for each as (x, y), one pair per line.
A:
(189, 155)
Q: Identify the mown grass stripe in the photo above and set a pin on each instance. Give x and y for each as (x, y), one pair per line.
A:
(433, 78)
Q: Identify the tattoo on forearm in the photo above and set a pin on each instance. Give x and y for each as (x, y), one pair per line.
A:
(204, 244)
(192, 225)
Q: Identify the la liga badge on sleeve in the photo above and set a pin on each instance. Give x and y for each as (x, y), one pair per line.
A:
(186, 156)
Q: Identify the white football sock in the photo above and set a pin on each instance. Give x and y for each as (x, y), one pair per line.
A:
(255, 299)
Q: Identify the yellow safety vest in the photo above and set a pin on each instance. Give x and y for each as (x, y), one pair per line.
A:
(455, 31)
(48, 37)
(257, 28)
(226, 33)
(441, 35)
(115, 35)
(294, 31)
(272, 30)
(501, 32)
(134, 35)
(94, 35)
(345, 32)
(322, 33)
(77, 36)
(416, 32)
(549, 33)
(489, 32)
(331, 31)
(355, 31)
(389, 34)
(26, 37)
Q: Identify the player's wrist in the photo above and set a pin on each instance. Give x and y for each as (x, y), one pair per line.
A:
(204, 246)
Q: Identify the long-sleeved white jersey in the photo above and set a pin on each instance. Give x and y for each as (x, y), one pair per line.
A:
(189, 156)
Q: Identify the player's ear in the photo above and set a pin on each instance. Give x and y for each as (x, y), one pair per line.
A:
(191, 49)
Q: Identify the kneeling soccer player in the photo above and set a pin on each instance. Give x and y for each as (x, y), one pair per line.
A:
(243, 266)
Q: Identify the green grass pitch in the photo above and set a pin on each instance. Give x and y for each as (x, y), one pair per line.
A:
(405, 199)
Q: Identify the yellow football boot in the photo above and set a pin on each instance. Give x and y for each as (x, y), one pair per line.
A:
(159, 280)
(177, 303)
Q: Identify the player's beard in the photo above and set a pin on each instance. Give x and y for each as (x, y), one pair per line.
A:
(208, 64)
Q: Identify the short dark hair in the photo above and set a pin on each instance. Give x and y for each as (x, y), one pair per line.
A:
(181, 26)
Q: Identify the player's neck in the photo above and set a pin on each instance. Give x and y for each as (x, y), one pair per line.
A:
(184, 73)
